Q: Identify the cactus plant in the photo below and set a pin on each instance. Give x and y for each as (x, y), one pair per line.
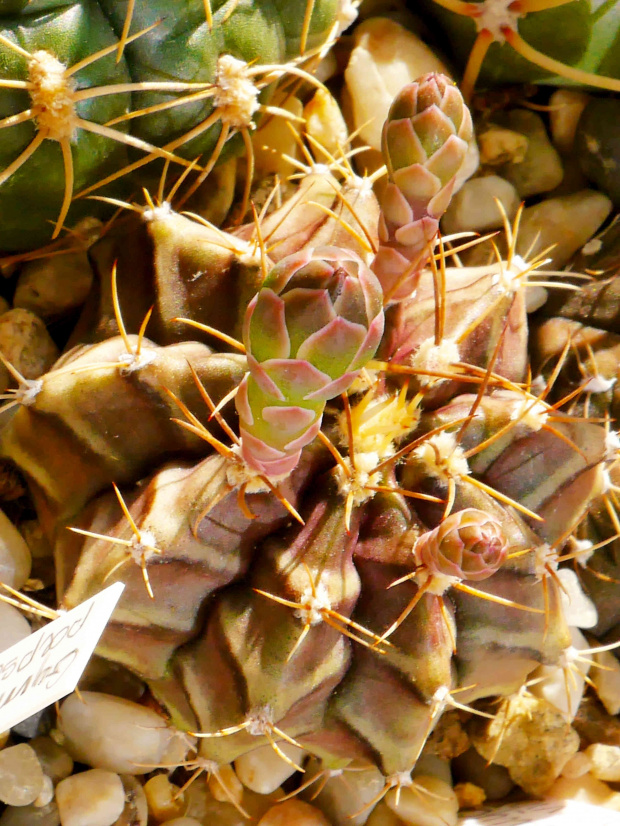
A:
(360, 517)
(504, 41)
(426, 528)
(75, 99)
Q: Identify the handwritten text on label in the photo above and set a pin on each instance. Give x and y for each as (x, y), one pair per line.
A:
(48, 664)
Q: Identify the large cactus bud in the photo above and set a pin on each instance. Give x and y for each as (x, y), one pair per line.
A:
(425, 143)
(308, 332)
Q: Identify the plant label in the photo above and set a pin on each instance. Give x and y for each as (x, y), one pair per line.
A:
(48, 664)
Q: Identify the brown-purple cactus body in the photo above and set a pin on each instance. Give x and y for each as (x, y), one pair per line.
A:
(334, 558)
(102, 416)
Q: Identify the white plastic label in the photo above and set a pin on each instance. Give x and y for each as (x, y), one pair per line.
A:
(48, 664)
(544, 813)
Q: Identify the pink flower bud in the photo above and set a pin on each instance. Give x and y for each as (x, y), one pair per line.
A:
(468, 545)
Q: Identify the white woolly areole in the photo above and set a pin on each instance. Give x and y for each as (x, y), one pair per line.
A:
(313, 604)
(239, 473)
(355, 480)
(209, 766)
(496, 15)
(359, 184)
(509, 277)
(612, 445)
(532, 413)
(51, 92)
(607, 483)
(27, 393)
(318, 169)
(443, 458)
(545, 560)
(583, 547)
(441, 696)
(569, 656)
(235, 96)
(435, 357)
(158, 213)
(438, 583)
(259, 722)
(250, 256)
(598, 384)
(399, 780)
(142, 547)
(131, 362)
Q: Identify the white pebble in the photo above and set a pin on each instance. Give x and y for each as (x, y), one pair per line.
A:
(178, 746)
(262, 770)
(346, 793)
(50, 287)
(541, 168)
(15, 559)
(386, 57)
(21, 775)
(92, 798)
(415, 808)
(499, 146)
(26, 344)
(14, 627)
(112, 733)
(273, 142)
(564, 684)
(564, 224)
(382, 815)
(225, 786)
(182, 821)
(325, 122)
(431, 765)
(576, 766)
(31, 816)
(585, 789)
(578, 608)
(474, 207)
(46, 795)
(605, 762)
(566, 106)
(293, 813)
(54, 760)
(606, 680)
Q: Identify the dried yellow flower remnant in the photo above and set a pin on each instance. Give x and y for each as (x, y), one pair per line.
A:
(469, 795)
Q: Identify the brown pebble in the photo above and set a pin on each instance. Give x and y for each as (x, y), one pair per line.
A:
(293, 813)
(531, 738)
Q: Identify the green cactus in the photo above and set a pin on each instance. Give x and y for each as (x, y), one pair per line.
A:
(517, 42)
(75, 104)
